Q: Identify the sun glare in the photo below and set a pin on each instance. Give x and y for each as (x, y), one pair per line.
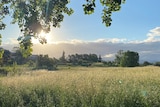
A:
(42, 34)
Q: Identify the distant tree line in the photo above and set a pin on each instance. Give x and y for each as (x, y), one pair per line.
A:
(122, 59)
(8, 57)
(83, 59)
(44, 62)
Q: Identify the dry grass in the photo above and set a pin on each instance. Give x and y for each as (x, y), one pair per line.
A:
(96, 87)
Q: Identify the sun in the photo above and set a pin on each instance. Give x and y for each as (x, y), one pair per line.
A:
(42, 35)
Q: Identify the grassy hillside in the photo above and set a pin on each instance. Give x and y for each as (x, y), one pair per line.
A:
(83, 87)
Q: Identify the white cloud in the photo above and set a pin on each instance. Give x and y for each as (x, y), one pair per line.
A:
(12, 42)
(76, 41)
(111, 40)
(154, 32)
(109, 55)
(153, 35)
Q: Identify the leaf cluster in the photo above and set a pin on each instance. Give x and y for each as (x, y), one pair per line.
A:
(89, 7)
(4, 10)
(34, 16)
(109, 7)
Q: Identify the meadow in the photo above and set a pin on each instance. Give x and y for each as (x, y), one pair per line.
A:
(83, 87)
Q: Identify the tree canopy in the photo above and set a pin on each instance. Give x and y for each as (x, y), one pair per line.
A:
(127, 59)
(34, 16)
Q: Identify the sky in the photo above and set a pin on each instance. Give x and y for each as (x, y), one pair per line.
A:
(135, 27)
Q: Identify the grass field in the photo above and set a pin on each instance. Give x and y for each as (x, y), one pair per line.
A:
(83, 87)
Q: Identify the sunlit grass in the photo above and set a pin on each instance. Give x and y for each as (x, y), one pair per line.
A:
(83, 87)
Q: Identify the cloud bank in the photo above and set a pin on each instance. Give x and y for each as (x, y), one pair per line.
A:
(148, 49)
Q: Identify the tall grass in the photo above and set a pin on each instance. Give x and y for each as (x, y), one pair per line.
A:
(83, 87)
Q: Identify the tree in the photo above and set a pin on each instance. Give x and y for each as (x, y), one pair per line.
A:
(118, 58)
(72, 59)
(130, 59)
(44, 62)
(83, 59)
(6, 58)
(34, 16)
(127, 59)
(93, 58)
(109, 63)
(157, 64)
(146, 63)
(62, 59)
(1, 54)
(1, 50)
(18, 56)
(99, 58)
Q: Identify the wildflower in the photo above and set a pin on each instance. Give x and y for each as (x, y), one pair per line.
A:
(120, 81)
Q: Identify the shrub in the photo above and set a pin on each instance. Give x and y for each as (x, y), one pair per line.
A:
(157, 64)
(4, 71)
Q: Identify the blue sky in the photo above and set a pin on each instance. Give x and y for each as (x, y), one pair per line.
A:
(138, 22)
(132, 22)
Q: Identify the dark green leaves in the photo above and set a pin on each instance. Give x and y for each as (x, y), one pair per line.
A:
(4, 10)
(25, 45)
(2, 25)
(0, 39)
(89, 7)
(34, 16)
(127, 59)
(109, 7)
